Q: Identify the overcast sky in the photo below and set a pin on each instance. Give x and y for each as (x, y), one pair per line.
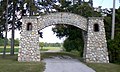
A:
(50, 37)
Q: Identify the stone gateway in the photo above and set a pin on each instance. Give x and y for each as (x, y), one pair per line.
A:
(95, 46)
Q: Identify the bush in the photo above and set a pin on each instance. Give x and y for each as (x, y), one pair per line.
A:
(75, 44)
(114, 49)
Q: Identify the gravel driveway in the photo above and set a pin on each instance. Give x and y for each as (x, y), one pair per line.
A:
(66, 64)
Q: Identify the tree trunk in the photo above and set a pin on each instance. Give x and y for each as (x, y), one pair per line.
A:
(6, 28)
(13, 32)
(5, 43)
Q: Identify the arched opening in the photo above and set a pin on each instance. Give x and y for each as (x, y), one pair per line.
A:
(48, 40)
(29, 26)
(96, 27)
(73, 43)
(70, 19)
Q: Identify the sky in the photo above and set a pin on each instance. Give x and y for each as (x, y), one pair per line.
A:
(105, 3)
(50, 37)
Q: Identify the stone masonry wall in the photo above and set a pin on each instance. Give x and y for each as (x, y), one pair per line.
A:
(62, 18)
(29, 41)
(96, 50)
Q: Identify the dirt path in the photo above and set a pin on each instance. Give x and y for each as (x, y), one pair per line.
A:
(58, 64)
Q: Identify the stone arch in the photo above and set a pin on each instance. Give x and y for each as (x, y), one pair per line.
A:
(94, 42)
(62, 18)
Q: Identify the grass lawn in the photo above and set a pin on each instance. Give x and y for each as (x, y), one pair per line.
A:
(10, 64)
(104, 67)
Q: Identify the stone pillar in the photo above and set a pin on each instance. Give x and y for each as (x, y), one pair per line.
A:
(29, 41)
(96, 49)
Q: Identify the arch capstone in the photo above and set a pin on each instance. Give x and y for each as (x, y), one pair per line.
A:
(95, 47)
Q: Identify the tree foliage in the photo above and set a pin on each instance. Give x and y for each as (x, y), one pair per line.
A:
(113, 45)
(2, 17)
(42, 44)
(9, 42)
(74, 40)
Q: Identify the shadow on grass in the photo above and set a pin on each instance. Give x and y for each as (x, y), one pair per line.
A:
(49, 54)
(10, 64)
(104, 67)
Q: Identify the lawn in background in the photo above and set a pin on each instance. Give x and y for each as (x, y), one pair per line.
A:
(17, 48)
(50, 48)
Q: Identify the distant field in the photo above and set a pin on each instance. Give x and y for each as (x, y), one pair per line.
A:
(50, 48)
(9, 47)
(17, 48)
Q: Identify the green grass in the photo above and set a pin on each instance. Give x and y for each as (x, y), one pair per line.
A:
(10, 64)
(104, 67)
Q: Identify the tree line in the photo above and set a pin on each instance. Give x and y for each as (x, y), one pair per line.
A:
(45, 44)
(9, 42)
(41, 44)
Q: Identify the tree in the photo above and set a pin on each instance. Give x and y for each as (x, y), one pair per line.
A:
(13, 28)
(74, 40)
(13, 20)
(15, 7)
(41, 45)
(31, 7)
(113, 45)
(2, 17)
(16, 42)
(4, 22)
